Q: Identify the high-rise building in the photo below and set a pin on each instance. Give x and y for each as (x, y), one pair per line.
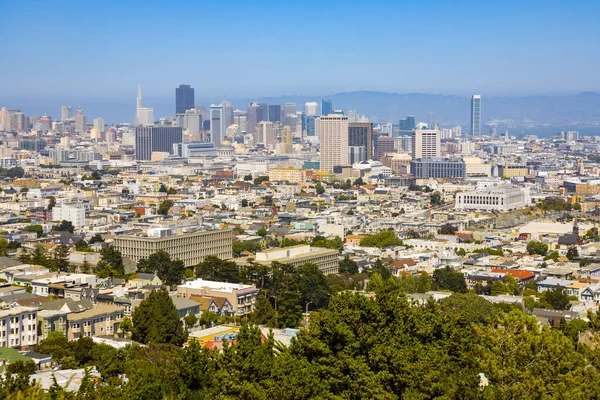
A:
(192, 122)
(361, 134)
(384, 144)
(149, 139)
(99, 124)
(457, 132)
(311, 108)
(287, 138)
(80, 121)
(333, 132)
(184, 99)
(326, 107)
(406, 125)
(66, 113)
(290, 109)
(217, 124)
(252, 118)
(425, 143)
(311, 123)
(227, 113)
(145, 116)
(138, 105)
(476, 115)
(266, 134)
(274, 113)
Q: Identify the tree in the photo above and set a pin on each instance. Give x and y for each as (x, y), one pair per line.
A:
(60, 258)
(171, 190)
(51, 202)
(126, 324)
(424, 282)
(313, 286)
(21, 367)
(381, 269)
(65, 226)
(111, 263)
(160, 263)
(56, 345)
(448, 229)
(319, 188)
(449, 279)
(537, 247)
(97, 238)
(460, 252)
(359, 181)
(164, 207)
(334, 243)
(39, 231)
(262, 232)
(162, 188)
(436, 199)
(248, 177)
(39, 256)
(215, 269)
(469, 307)
(263, 313)
(238, 247)
(348, 266)
(382, 239)
(260, 179)
(572, 253)
(244, 203)
(552, 256)
(3, 247)
(208, 318)
(557, 298)
(190, 320)
(156, 320)
(574, 328)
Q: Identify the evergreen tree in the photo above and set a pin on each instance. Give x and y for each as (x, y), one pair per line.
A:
(111, 263)
(156, 320)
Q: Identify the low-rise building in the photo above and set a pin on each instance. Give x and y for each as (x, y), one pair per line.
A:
(18, 327)
(496, 199)
(241, 296)
(102, 319)
(326, 259)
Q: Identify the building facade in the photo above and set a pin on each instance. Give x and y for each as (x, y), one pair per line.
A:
(190, 248)
(438, 168)
(333, 132)
(149, 139)
(496, 199)
(184, 99)
(326, 259)
(360, 134)
(426, 143)
(476, 115)
(18, 327)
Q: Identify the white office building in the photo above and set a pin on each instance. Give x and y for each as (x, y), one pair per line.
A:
(425, 143)
(333, 131)
(495, 199)
(311, 108)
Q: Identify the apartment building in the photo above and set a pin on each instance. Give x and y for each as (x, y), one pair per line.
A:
(18, 327)
(241, 297)
(326, 259)
(102, 319)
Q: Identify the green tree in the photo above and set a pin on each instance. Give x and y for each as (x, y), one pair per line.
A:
(313, 286)
(238, 247)
(162, 188)
(156, 320)
(215, 269)
(572, 253)
(65, 226)
(262, 232)
(164, 207)
(552, 256)
(110, 263)
(171, 190)
(423, 282)
(382, 239)
(169, 271)
(448, 229)
(208, 318)
(190, 320)
(334, 243)
(574, 328)
(319, 188)
(248, 177)
(39, 256)
(244, 203)
(39, 231)
(51, 202)
(60, 258)
(260, 179)
(557, 298)
(97, 238)
(348, 265)
(436, 199)
(3, 247)
(263, 313)
(126, 325)
(448, 279)
(537, 247)
(469, 307)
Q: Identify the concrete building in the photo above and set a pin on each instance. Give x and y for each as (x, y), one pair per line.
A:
(80, 120)
(66, 113)
(360, 134)
(145, 116)
(333, 132)
(510, 171)
(266, 134)
(287, 137)
(326, 259)
(217, 124)
(311, 108)
(73, 213)
(194, 149)
(241, 297)
(191, 248)
(426, 143)
(288, 174)
(495, 199)
(438, 168)
(149, 139)
(476, 115)
(18, 327)
(384, 145)
(474, 167)
(99, 124)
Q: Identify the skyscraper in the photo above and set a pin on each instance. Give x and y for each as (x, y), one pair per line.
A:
(266, 134)
(145, 116)
(476, 115)
(406, 125)
(217, 124)
(227, 113)
(311, 108)
(192, 123)
(384, 144)
(184, 99)
(138, 105)
(333, 132)
(80, 121)
(425, 143)
(274, 113)
(149, 139)
(290, 109)
(66, 113)
(361, 134)
(326, 107)
(252, 118)
(287, 140)
(99, 124)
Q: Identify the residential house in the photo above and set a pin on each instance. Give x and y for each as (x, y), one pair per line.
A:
(241, 296)
(102, 319)
(18, 327)
(143, 279)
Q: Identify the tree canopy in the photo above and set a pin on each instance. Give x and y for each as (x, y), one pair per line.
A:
(155, 320)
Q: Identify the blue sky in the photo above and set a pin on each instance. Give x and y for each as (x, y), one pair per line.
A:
(103, 49)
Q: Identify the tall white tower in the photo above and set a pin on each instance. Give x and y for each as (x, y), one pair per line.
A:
(139, 104)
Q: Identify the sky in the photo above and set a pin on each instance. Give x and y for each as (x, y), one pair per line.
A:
(234, 49)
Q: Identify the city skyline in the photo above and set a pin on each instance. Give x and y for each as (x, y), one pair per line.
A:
(501, 51)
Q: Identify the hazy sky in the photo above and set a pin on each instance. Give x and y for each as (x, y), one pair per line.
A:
(103, 49)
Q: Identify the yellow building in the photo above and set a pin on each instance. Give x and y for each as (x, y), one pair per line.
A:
(289, 174)
(509, 171)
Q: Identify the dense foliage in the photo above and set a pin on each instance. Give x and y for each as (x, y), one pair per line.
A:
(383, 347)
(381, 239)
